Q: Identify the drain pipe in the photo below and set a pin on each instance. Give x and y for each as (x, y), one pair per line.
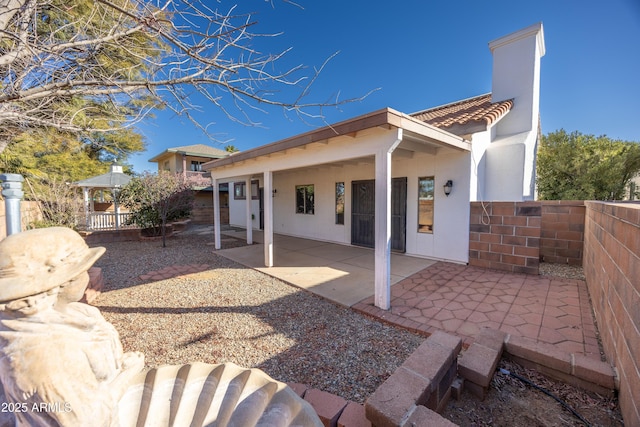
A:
(548, 393)
(12, 193)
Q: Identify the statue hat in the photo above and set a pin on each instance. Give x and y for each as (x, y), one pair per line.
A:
(35, 261)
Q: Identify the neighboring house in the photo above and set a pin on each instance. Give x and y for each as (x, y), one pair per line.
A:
(188, 160)
(394, 181)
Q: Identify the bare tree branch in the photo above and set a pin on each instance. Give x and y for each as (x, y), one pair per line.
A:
(87, 66)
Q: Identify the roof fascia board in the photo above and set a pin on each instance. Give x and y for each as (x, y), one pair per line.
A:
(436, 135)
(374, 119)
(322, 155)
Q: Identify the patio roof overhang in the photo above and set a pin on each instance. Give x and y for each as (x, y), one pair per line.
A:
(417, 136)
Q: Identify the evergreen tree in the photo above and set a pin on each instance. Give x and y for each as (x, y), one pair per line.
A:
(574, 166)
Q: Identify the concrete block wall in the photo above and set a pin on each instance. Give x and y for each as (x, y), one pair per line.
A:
(505, 236)
(612, 271)
(562, 234)
(420, 388)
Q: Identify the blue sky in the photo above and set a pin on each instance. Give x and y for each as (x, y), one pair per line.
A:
(420, 54)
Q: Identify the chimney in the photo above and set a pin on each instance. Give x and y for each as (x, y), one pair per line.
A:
(516, 75)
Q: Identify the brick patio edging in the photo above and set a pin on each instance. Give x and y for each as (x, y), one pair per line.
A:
(419, 390)
(572, 368)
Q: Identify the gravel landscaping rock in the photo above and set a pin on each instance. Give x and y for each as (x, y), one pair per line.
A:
(230, 313)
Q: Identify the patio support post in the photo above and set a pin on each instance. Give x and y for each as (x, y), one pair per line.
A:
(87, 207)
(247, 191)
(216, 212)
(382, 295)
(116, 207)
(268, 219)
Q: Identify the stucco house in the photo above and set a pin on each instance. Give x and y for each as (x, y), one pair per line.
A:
(393, 181)
(188, 160)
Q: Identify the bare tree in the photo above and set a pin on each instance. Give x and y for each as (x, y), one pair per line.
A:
(86, 66)
(156, 199)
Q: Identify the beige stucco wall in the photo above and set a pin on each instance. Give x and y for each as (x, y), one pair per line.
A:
(449, 240)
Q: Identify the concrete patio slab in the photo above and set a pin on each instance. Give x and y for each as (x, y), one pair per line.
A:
(340, 273)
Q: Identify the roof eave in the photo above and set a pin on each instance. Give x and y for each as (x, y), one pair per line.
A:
(186, 153)
(386, 117)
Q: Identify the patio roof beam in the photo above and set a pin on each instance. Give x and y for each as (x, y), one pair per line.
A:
(419, 147)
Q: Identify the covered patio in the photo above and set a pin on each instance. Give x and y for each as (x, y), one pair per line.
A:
(366, 155)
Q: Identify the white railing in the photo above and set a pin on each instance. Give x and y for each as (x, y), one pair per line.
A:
(107, 221)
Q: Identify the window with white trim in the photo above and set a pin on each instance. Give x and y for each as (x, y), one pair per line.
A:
(425, 204)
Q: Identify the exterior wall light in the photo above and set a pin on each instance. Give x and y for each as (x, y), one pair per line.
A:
(447, 187)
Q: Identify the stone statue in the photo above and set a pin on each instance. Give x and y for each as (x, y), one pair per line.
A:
(49, 339)
(62, 363)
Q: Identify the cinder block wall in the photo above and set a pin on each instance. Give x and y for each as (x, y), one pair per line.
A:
(612, 271)
(505, 236)
(203, 210)
(562, 234)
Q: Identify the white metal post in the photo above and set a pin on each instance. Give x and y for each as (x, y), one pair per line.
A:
(247, 191)
(216, 212)
(268, 218)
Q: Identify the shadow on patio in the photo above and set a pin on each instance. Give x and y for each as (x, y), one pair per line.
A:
(428, 295)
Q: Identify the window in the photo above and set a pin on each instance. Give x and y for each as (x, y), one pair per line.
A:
(304, 199)
(166, 165)
(340, 203)
(240, 190)
(196, 166)
(425, 204)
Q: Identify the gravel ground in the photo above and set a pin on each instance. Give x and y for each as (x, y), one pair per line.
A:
(230, 313)
(562, 270)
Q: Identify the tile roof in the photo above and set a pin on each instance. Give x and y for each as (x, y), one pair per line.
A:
(472, 112)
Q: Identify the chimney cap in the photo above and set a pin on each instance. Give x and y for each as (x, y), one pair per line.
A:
(535, 29)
